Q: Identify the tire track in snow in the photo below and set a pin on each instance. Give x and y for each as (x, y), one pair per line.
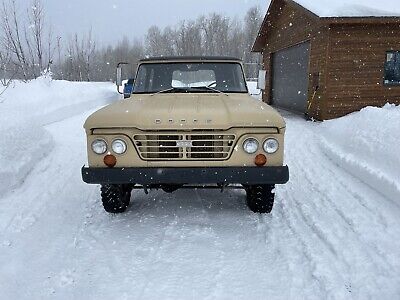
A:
(170, 246)
(357, 233)
(304, 166)
(345, 192)
(306, 252)
(221, 257)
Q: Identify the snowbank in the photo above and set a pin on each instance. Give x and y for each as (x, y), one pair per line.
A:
(367, 145)
(26, 108)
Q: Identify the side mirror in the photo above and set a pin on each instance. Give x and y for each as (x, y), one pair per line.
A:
(119, 76)
(261, 83)
(118, 80)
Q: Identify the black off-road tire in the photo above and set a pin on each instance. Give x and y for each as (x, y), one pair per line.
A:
(260, 198)
(115, 197)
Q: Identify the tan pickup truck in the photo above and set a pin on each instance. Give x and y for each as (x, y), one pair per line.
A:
(190, 123)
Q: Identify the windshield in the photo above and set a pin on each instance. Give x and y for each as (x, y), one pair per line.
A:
(190, 77)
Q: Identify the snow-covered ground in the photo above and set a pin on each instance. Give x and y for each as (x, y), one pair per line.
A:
(333, 233)
(366, 145)
(25, 109)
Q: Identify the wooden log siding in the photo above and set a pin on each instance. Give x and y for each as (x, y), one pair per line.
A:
(347, 56)
(290, 26)
(357, 54)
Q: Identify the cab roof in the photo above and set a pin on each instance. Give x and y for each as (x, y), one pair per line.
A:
(190, 58)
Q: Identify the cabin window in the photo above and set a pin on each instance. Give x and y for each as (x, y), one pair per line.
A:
(392, 68)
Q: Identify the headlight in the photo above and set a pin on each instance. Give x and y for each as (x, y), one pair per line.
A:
(271, 146)
(119, 146)
(99, 146)
(250, 146)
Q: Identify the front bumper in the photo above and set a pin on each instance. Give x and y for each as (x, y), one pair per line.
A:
(196, 175)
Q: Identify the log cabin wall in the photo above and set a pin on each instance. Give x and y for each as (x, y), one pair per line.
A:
(357, 54)
(289, 25)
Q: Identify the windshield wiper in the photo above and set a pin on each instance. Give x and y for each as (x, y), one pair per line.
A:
(211, 89)
(172, 89)
(181, 89)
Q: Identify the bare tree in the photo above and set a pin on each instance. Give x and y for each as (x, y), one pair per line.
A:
(252, 23)
(168, 41)
(12, 39)
(88, 49)
(236, 37)
(160, 43)
(36, 15)
(57, 67)
(215, 30)
(5, 59)
(153, 41)
(81, 57)
(27, 38)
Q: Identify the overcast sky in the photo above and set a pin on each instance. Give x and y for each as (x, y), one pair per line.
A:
(111, 19)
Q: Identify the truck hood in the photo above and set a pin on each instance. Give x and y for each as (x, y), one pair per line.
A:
(186, 111)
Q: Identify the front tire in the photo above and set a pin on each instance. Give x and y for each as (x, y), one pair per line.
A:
(260, 198)
(115, 197)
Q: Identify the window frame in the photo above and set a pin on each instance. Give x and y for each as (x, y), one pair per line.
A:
(396, 54)
(240, 65)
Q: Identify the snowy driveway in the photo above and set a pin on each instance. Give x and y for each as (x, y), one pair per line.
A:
(330, 236)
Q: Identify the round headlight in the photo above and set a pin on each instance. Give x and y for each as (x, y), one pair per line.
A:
(119, 146)
(99, 146)
(271, 146)
(250, 146)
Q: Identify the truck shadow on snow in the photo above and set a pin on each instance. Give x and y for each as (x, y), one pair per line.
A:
(188, 202)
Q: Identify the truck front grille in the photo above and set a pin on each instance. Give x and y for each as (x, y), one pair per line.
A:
(184, 146)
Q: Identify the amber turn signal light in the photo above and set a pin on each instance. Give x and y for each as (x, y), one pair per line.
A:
(110, 161)
(260, 160)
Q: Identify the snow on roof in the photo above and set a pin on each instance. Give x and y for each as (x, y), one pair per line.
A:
(352, 8)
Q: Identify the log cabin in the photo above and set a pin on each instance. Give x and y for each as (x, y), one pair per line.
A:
(326, 59)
